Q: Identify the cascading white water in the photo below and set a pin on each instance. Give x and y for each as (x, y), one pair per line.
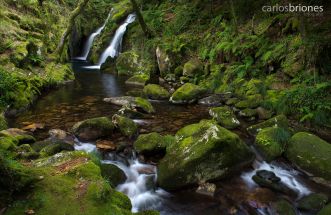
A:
(288, 177)
(115, 46)
(140, 185)
(89, 42)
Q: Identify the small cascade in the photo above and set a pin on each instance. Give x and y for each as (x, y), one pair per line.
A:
(289, 177)
(140, 184)
(114, 48)
(89, 42)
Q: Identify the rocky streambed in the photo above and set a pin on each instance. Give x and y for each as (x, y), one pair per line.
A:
(220, 156)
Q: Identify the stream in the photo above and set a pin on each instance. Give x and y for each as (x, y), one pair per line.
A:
(83, 99)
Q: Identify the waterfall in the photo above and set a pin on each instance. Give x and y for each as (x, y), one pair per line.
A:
(115, 46)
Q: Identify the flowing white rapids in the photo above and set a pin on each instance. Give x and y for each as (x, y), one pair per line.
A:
(288, 177)
(114, 48)
(140, 184)
(89, 42)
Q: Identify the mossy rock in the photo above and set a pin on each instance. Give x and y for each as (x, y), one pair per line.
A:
(193, 68)
(225, 117)
(152, 143)
(154, 91)
(139, 80)
(126, 125)
(313, 202)
(283, 207)
(143, 105)
(25, 151)
(202, 152)
(59, 158)
(248, 113)
(277, 121)
(55, 147)
(252, 101)
(311, 154)
(112, 173)
(271, 142)
(92, 129)
(232, 101)
(186, 94)
(20, 136)
(8, 143)
(326, 210)
(130, 63)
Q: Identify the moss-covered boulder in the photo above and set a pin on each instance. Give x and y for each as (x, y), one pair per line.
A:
(277, 121)
(8, 143)
(143, 105)
(25, 151)
(225, 117)
(21, 136)
(130, 63)
(251, 101)
(311, 154)
(193, 68)
(126, 125)
(138, 103)
(326, 210)
(152, 143)
(186, 94)
(248, 113)
(154, 91)
(271, 142)
(313, 202)
(139, 80)
(202, 152)
(56, 147)
(283, 207)
(112, 173)
(92, 129)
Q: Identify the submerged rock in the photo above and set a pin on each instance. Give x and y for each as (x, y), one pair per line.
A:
(186, 94)
(313, 202)
(152, 143)
(225, 117)
(272, 142)
(268, 179)
(92, 129)
(154, 91)
(277, 121)
(126, 125)
(203, 151)
(311, 154)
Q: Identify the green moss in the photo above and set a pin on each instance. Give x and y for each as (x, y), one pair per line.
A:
(154, 91)
(277, 121)
(313, 202)
(113, 174)
(193, 68)
(248, 113)
(3, 122)
(284, 207)
(139, 80)
(272, 142)
(144, 104)
(326, 210)
(311, 154)
(203, 151)
(126, 125)
(188, 93)
(25, 151)
(130, 63)
(94, 128)
(251, 101)
(152, 143)
(225, 117)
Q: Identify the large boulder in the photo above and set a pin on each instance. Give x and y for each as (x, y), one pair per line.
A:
(186, 94)
(311, 154)
(277, 121)
(193, 68)
(271, 142)
(92, 129)
(152, 143)
(126, 125)
(202, 152)
(225, 117)
(138, 80)
(112, 173)
(283, 207)
(154, 91)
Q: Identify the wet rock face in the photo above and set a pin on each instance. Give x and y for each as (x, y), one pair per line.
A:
(187, 94)
(268, 179)
(311, 154)
(202, 152)
(92, 129)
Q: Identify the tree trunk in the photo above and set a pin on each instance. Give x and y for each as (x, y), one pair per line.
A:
(72, 18)
(142, 23)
